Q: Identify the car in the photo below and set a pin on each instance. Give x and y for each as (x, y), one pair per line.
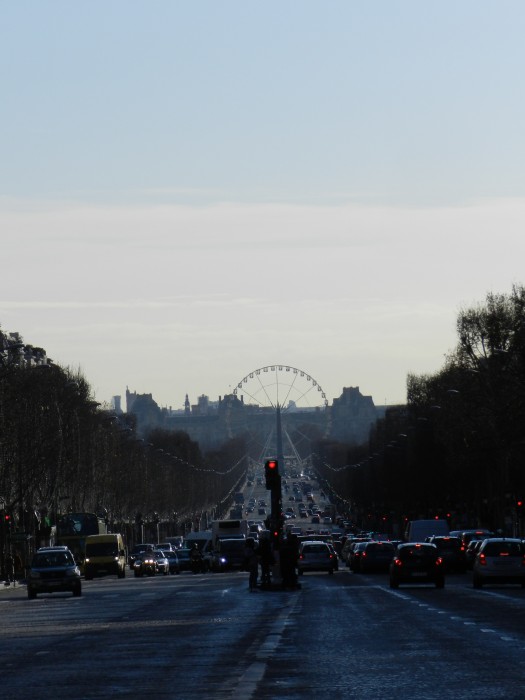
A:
(162, 565)
(137, 549)
(173, 560)
(145, 563)
(315, 520)
(479, 534)
(417, 562)
(355, 555)
(183, 556)
(315, 556)
(229, 554)
(499, 560)
(471, 552)
(53, 569)
(452, 551)
(376, 557)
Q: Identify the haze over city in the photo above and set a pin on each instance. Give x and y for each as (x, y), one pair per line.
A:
(189, 192)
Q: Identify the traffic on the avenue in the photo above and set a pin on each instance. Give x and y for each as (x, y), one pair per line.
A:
(362, 616)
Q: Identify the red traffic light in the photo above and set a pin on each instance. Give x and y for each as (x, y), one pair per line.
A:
(271, 464)
(7, 518)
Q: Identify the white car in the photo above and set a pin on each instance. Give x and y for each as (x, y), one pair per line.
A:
(499, 560)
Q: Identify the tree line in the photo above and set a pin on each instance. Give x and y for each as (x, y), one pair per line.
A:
(457, 448)
(60, 451)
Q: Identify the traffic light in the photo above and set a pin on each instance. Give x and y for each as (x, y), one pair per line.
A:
(271, 474)
(7, 520)
(520, 507)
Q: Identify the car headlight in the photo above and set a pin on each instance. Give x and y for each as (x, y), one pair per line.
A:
(86, 560)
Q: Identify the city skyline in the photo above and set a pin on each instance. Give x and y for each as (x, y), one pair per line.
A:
(189, 194)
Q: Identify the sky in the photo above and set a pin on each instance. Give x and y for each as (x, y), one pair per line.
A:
(190, 191)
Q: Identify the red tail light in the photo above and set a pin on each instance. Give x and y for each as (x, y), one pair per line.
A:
(439, 561)
(482, 559)
(398, 562)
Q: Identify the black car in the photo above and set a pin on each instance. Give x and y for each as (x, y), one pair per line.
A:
(53, 569)
(452, 551)
(138, 549)
(417, 562)
(376, 557)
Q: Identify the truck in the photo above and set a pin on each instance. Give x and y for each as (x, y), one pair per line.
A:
(419, 530)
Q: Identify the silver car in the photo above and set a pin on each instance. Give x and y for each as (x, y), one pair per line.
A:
(499, 560)
(316, 556)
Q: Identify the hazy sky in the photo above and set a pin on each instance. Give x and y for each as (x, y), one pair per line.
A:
(192, 190)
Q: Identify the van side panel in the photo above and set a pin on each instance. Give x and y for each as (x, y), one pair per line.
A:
(419, 530)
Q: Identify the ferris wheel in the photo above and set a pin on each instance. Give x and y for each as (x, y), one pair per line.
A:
(295, 394)
(282, 386)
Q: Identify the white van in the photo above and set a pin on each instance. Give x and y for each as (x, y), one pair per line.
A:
(419, 530)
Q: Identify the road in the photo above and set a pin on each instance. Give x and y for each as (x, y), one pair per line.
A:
(205, 636)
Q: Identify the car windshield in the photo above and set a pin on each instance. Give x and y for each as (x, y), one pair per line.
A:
(50, 559)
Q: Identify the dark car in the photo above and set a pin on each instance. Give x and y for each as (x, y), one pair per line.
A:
(229, 554)
(471, 552)
(53, 569)
(184, 559)
(452, 551)
(417, 562)
(137, 549)
(355, 556)
(376, 557)
(145, 564)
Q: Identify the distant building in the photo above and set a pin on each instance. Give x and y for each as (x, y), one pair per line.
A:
(352, 416)
(147, 412)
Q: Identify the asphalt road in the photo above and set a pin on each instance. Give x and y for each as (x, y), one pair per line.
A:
(205, 636)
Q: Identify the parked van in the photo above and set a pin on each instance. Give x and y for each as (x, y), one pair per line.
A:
(419, 530)
(105, 554)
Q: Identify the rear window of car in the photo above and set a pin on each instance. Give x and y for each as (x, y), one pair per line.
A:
(448, 543)
(496, 549)
(380, 547)
(315, 548)
(417, 551)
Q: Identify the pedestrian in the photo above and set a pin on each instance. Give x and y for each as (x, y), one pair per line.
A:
(267, 560)
(9, 569)
(251, 563)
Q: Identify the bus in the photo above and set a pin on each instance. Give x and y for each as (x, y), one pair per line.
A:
(222, 529)
(72, 530)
